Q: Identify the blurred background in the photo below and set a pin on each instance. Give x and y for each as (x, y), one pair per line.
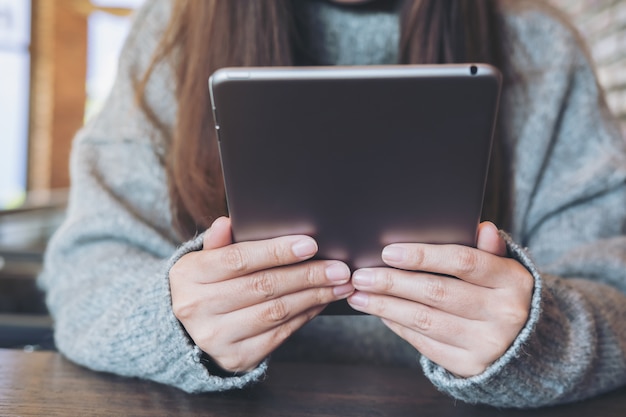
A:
(58, 60)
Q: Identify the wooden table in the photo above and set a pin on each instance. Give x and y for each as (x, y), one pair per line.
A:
(46, 384)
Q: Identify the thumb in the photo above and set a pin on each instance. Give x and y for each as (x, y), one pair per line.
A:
(489, 239)
(218, 235)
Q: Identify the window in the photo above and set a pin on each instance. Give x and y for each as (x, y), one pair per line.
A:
(66, 70)
(108, 26)
(14, 99)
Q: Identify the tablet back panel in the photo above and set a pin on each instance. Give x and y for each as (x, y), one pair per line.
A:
(357, 157)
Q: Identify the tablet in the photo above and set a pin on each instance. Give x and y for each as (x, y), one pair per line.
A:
(356, 157)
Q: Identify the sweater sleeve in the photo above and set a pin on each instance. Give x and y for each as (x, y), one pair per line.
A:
(106, 268)
(570, 222)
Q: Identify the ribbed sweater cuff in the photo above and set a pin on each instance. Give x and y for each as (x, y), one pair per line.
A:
(193, 376)
(499, 384)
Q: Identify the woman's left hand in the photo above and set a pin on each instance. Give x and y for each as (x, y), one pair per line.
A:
(462, 324)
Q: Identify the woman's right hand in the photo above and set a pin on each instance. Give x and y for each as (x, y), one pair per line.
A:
(240, 301)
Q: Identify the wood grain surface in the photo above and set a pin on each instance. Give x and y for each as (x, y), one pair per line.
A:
(46, 384)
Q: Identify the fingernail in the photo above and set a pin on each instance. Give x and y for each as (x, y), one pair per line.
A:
(338, 271)
(359, 299)
(343, 290)
(394, 254)
(363, 277)
(304, 248)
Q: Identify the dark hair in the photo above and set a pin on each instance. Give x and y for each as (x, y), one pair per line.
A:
(203, 36)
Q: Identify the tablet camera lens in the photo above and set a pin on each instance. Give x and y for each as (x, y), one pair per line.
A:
(473, 70)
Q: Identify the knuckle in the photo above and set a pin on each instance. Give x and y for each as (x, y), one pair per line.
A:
(322, 296)
(234, 259)
(184, 266)
(281, 334)
(276, 253)
(177, 270)
(495, 346)
(232, 362)
(436, 291)
(387, 281)
(417, 257)
(422, 319)
(276, 311)
(515, 313)
(526, 282)
(467, 261)
(311, 274)
(183, 310)
(208, 337)
(264, 284)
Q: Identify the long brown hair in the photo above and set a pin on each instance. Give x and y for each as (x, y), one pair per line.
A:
(203, 36)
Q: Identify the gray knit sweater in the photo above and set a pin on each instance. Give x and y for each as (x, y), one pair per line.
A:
(106, 270)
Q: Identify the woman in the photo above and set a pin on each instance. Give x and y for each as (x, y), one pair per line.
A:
(138, 288)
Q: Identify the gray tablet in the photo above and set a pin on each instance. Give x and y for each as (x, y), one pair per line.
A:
(357, 157)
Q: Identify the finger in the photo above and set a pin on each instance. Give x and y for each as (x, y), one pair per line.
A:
(451, 295)
(260, 318)
(489, 239)
(456, 360)
(249, 353)
(469, 264)
(261, 286)
(240, 259)
(218, 235)
(435, 324)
